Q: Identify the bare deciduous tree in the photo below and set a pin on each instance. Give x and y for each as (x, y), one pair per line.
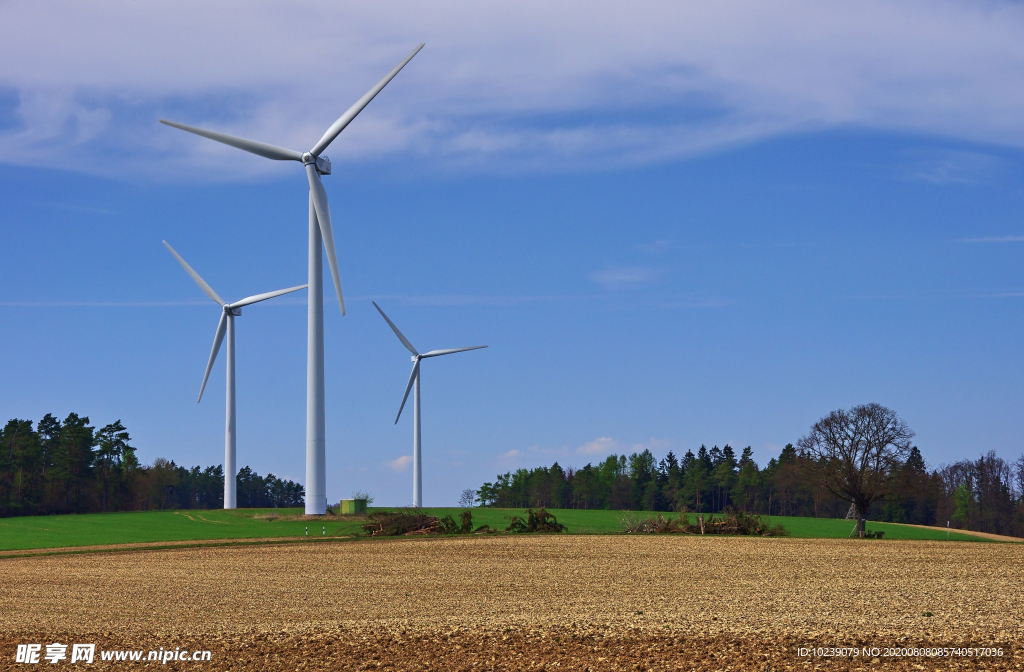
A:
(858, 451)
(361, 494)
(468, 498)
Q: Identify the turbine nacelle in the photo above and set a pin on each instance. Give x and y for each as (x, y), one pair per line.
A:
(321, 163)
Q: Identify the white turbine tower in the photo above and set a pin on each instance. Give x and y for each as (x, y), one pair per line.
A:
(320, 233)
(227, 324)
(414, 377)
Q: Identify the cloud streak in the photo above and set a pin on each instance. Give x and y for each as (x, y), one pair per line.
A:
(951, 167)
(410, 300)
(624, 277)
(606, 445)
(534, 86)
(657, 247)
(994, 239)
(594, 449)
(399, 464)
(602, 446)
(101, 304)
(466, 299)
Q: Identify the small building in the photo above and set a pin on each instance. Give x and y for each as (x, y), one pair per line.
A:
(351, 507)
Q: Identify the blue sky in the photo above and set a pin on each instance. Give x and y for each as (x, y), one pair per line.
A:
(673, 226)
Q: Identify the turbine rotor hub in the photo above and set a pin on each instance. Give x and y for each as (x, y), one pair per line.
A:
(321, 163)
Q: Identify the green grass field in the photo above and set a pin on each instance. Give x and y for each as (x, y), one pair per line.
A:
(146, 526)
(41, 532)
(581, 521)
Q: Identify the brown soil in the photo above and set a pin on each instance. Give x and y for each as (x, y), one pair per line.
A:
(511, 603)
(161, 545)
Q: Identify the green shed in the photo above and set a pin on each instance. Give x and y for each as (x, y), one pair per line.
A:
(352, 506)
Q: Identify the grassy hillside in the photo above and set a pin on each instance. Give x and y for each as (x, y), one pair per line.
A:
(37, 532)
(142, 526)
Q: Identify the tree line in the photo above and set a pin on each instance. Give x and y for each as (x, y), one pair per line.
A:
(857, 462)
(69, 466)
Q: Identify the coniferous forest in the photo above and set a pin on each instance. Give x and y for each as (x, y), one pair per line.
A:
(986, 494)
(69, 466)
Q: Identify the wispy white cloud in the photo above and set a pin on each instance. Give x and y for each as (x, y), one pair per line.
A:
(280, 302)
(438, 300)
(696, 302)
(950, 167)
(81, 208)
(400, 463)
(994, 239)
(624, 277)
(606, 445)
(939, 295)
(465, 299)
(654, 444)
(540, 450)
(657, 247)
(101, 304)
(534, 85)
(595, 449)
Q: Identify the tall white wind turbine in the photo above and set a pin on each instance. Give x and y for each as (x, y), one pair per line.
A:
(414, 377)
(320, 233)
(227, 325)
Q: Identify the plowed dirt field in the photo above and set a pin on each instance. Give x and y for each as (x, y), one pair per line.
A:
(523, 603)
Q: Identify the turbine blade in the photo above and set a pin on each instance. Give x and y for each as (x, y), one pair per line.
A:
(412, 378)
(438, 353)
(264, 296)
(350, 114)
(401, 337)
(195, 276)
(258, 148)
(323, 216)
(217, 340)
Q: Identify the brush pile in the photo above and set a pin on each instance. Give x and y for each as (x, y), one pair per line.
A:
(536, 521)
(732, 522)
(410, 523)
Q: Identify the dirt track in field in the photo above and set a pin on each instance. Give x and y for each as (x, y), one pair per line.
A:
(983, 535)
(545, 602)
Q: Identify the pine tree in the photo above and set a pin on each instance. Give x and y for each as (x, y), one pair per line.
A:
(111, 443)
(74, 459)
(725, 476)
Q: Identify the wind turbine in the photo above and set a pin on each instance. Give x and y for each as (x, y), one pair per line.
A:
(414, 377)
(320, 233)
(227, 324)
